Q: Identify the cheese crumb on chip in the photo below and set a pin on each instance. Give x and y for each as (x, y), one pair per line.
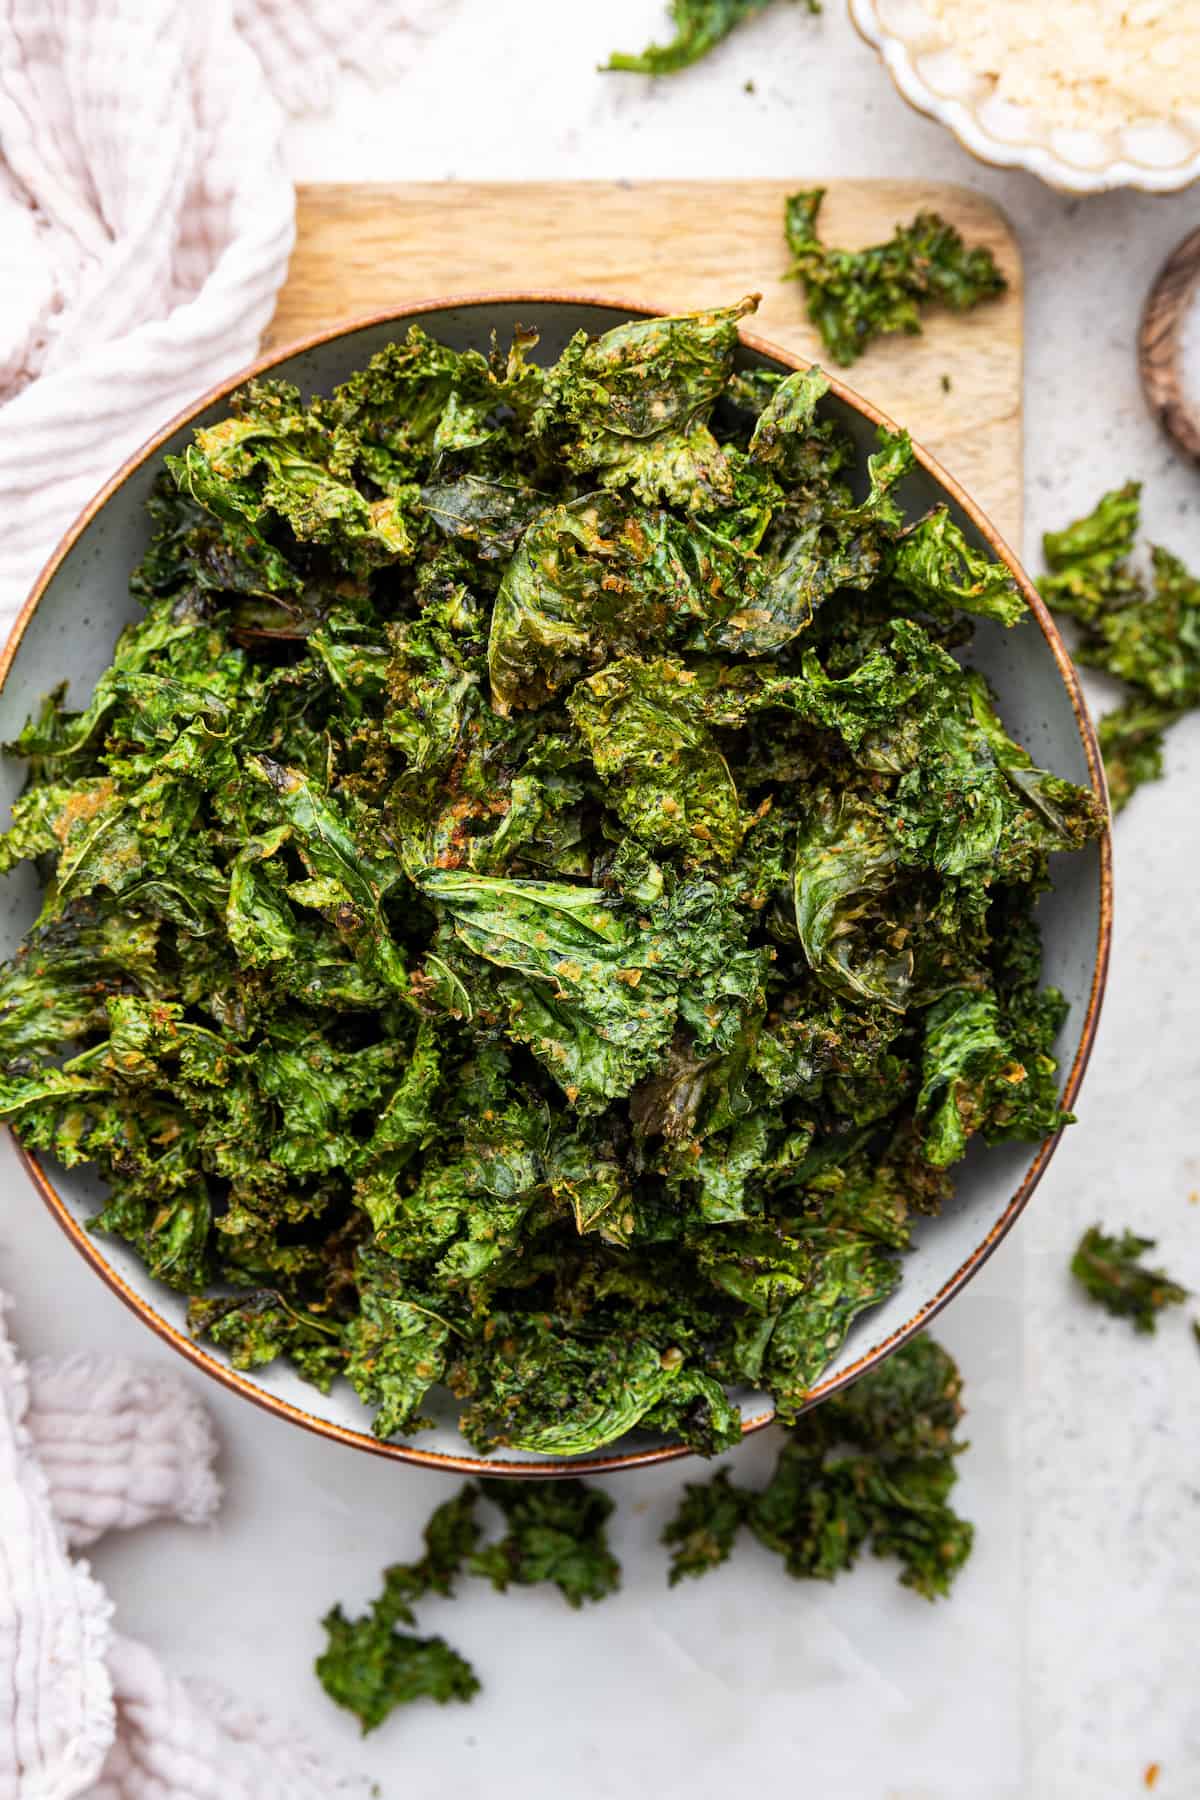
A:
(1093, 65)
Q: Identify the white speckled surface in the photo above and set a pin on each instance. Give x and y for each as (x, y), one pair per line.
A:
(1065, 1663)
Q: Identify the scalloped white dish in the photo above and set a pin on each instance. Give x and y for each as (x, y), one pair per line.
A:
(1155, 155)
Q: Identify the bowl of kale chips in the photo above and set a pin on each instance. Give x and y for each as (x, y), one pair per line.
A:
(557, 896)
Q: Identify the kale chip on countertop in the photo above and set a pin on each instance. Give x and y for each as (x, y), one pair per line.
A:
(368, 1665)
(538, 902)
(555, 1532)
(871, 1466)
(1110, 1271)
(855, 296)
(700, 25)
(1147, 635)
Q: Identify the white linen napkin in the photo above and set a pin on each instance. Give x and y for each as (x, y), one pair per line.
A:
(147, 219)
(89, 1445)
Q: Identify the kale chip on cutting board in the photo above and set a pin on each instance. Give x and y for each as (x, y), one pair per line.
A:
(535, 905)
(855, 296)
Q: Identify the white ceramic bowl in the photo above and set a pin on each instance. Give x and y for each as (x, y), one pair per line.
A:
(1156, 156)
(67, 629)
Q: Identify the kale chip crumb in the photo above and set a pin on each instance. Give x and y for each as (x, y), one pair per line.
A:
(700, 25)
(855, 296)
(539, 902)
(556, 1533)
(822, 1506)
(1110, 1271)
(1145, 634)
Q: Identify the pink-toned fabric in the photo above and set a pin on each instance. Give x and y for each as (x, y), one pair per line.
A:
(90, 1445)
(178, 1740)
(146, 219)
(119, 1446)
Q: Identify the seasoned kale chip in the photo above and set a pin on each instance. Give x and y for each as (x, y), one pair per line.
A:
(1110, 1271)
(1146, 634)
(872, 1466)
(368, 1665)
(539, 900)
(555, 1531)
(370, 1668)
(855, 296)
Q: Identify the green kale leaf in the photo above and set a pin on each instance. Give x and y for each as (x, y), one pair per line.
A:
(855, 296)
(1110, 1271)
(704, 1529)
(370, 1667)
(648, 742)
(937, 565)
(1147, 636)
(555, 1531)
(700, 25)
(632, 406)
(821, 1507)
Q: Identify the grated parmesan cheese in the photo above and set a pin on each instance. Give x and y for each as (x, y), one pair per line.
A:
(1094, 65)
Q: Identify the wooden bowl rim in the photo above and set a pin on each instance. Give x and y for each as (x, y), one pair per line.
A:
(597, 1464)
(1173, 292)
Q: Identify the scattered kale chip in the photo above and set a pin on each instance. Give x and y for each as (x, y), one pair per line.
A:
(538, 902)
(370, 1667)
(1111, 1273)
(855, 296)
(704, 1530)
(700, 25)
(555, 1531)
(1146, 635)
(872, 1466)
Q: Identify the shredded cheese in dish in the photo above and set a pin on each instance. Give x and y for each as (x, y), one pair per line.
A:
(1093, 65)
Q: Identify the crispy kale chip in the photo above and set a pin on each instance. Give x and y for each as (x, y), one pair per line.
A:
(1146, 635)
(700, 25)
(555, 1532)
(704, 1529)
(540, 900)
(370, 1667)
(872, 1466)
(1111, 1272)
(855, 296)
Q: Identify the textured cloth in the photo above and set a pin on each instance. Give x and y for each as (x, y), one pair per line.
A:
(119, 1446)
(56, 1708)
(88, 1445)
(146, 217)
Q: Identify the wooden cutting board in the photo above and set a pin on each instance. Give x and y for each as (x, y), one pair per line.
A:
(682, 244)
